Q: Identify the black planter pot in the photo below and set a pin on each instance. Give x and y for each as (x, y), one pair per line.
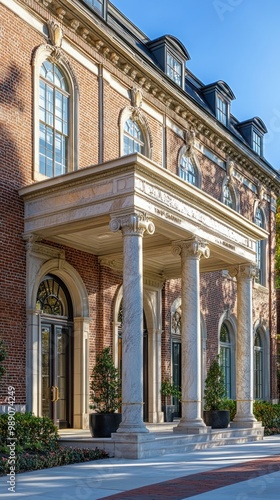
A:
(217, 419)
(102, 425)
(168, 411)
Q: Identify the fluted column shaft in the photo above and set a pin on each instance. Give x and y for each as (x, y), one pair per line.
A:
(133, 228)
(244, 348)
(191, 252)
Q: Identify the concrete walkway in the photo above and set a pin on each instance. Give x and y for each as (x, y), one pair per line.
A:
(238, 472)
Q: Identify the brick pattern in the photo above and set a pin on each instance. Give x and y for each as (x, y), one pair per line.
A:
(202, 482)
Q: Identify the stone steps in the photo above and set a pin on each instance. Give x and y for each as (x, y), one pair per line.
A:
(161, 442)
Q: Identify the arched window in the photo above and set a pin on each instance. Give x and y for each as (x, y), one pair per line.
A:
(133, 140)
(260, 249)
(258, 366)
(228, 197)
(225, 358)
(188, 170)
(53, 120)
(53, 297)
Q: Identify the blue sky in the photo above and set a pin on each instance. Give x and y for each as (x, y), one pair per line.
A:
(237, 41)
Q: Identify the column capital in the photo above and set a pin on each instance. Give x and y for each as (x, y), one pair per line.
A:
(194, 248)
(134, 224)
(245, 271)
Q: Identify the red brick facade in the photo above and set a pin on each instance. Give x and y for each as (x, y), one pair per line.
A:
(19, 42)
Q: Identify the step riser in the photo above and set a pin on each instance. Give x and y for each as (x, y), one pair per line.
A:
(170, 444)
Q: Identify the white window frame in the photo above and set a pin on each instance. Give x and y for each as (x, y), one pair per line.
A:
(44, 52)
(221, 110)
(261, 248)
(256, 142)
(171, 71)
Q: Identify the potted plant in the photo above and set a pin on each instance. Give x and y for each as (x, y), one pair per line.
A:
(105, 396)
(215, 415)
(169, 390)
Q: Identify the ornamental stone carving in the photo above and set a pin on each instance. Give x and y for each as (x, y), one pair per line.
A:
(55, 34)
(245, 271)
(195, 248)
(132, 224)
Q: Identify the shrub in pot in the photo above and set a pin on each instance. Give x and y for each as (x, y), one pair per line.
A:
(105, 396)
(169, 390)
(215, 413)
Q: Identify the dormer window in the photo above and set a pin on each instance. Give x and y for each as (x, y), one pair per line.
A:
(256, 143)
(253, 131)
(218, 96)
(98, 5)
(221, 110)
(171, 56)
(174, 69)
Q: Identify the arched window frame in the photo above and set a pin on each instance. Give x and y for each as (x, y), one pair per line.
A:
(43, 53)
(261, 247)
(262, 381)
(139, 118)
(184, 153)
(229, 185)
(230, 322)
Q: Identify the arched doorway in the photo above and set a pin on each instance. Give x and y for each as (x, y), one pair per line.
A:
(56, 341)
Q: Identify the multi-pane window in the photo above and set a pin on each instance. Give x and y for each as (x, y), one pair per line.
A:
(225, 357)
(259, 220)
(188, 171)
(174, 69)
(228, 198)
(221, 110)
(53, 121)
(258, 366)
(97, 5)
(256, 143)
(133, 141)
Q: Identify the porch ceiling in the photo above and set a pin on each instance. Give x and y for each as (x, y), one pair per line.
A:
(75, 210)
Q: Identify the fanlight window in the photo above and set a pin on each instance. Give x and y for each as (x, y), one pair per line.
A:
(51, 298)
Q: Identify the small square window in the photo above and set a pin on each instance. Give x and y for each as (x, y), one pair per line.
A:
(221, 110)
(256, 143)
(174, 69)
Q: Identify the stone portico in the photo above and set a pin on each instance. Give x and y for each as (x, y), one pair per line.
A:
(148, 224)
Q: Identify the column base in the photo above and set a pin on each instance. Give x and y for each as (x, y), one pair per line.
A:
(196, 426)
(132, 429)
(245, 424)
(132, 445)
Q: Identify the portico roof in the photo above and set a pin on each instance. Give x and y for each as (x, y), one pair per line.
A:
(75, 210)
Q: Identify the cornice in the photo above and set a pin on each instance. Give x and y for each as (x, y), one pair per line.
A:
(110, 47)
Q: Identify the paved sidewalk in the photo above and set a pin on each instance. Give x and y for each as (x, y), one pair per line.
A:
(237, 472)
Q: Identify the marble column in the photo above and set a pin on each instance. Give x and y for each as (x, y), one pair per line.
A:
(244, 348)
(133, 227)
(191, 252)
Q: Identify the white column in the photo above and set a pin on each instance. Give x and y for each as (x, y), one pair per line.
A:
(244, 349)
(133, 227)
(191, 251)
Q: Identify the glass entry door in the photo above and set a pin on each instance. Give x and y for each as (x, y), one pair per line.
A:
(176, 375)
(56, 373)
